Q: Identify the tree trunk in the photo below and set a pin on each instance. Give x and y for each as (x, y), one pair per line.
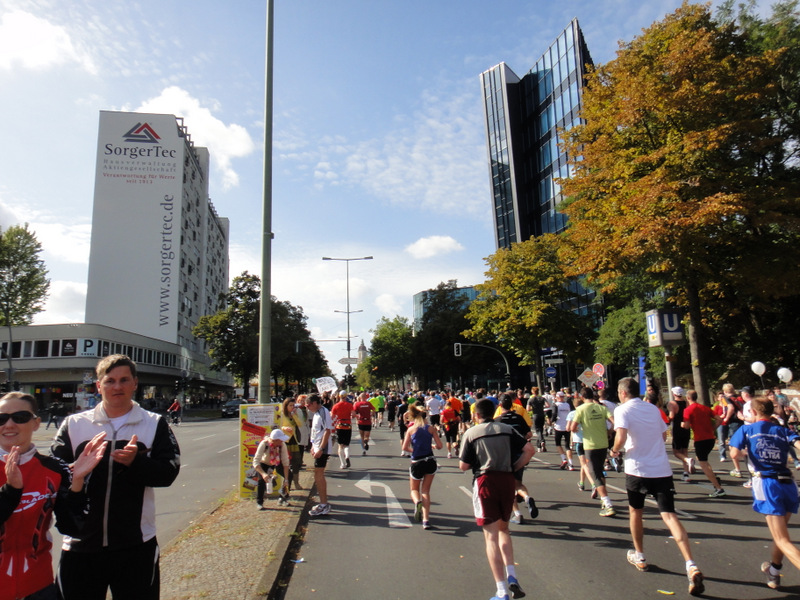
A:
(697, 344)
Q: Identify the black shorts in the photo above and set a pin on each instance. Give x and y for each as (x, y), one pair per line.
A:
(661, 488)
(562, 435)
(703, 448)
(577, 447)
(435, 420)
(423, 467)
(365, 427)
(595, 460)
(343, 436)
(451, 432)
(321, 462)
(680, 439)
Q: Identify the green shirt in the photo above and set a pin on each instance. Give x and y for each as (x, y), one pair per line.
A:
(593, 417)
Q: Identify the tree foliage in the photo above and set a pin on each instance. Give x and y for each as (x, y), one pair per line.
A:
(23, 277)
(23, 280)
(681, 174)
(391, 350)
(232, 336)
(524, 305)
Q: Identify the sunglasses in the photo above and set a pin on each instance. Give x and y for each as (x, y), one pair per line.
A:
(19, 417)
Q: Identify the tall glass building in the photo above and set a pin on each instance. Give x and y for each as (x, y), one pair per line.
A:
(522, 120)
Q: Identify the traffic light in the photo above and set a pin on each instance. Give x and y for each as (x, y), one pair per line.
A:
(457, 349)
(17, 386)
(4, 387)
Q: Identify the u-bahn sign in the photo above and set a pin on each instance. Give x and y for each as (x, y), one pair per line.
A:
(664, 328)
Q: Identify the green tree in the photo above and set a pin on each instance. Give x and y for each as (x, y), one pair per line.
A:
(524, 304)
(391, 350)
(231, 334)
(294, 353)
(679, 175)
(23, 281)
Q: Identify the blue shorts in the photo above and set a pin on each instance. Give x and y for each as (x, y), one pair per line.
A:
(774, 497)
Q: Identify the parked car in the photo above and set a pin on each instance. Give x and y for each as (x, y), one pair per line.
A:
(231, 407)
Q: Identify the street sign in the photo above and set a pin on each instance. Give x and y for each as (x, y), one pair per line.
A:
(348, 361)
(600, 384)
(599, 369)
(550, 372)
(554, 361)
(589, 378)
(664, 328)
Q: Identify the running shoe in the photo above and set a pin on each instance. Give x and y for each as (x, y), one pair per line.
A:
(685, 477)
(720, 493)
(736, 473)
(570, 468)
(319, 510)
(449, 455)
(773, 581)
(363, 453)
(748, 484)
(639, 564)
(514, 588)
(347, 462)
(563, 465)
(581, 486)
(499, 597)
(723, 459)
(608, 511)
(366, 445)
(696, 586)
(594, 493)
(691, 466)
(797, 465)
(418, 512)
(532, 507)
(260, 507)
(427, 525)
(516, 519)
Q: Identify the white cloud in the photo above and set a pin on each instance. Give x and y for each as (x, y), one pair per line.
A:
(65, 304)
(435, 245)
(225, 142)
(34, 43)
(389, 306)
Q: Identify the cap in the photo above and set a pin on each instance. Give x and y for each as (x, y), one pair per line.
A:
(678, 391)
(277, 434)
(560, 394)
(343, 392)
(748, 390)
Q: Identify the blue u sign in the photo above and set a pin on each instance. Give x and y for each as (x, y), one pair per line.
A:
(664, 328)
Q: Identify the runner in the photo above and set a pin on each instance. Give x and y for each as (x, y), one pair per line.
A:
(508, 416)
(537, 405)
(364, 410)
(700, 419)
(342, 414)
(774, 489)
(561, 409)
(642, 433)
(680, 435)
(450, 421)
(419, 442)
(593, 417)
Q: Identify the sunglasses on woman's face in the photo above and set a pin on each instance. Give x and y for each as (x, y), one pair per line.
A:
(19, 417)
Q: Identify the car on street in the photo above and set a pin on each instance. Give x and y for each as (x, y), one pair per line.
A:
(231, 407)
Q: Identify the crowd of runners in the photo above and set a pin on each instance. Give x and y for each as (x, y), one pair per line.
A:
(496, 434)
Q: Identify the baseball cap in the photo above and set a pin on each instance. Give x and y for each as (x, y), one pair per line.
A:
(277, 434)
(678, 391)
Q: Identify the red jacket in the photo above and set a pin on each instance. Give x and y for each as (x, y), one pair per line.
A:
(26, 565)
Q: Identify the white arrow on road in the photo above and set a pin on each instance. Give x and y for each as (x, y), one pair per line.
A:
(397, 516)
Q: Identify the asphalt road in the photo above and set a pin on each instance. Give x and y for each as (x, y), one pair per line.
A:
(209, 457)
(369, 546)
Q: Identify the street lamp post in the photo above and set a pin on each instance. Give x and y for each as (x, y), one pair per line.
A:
(347, 262)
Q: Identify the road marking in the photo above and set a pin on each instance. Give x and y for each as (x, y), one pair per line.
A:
(467, 491)
(205, 437)
(397, 516)
(226, 449)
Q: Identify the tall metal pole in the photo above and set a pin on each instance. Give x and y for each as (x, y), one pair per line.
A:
(348, 368)
(265, 325)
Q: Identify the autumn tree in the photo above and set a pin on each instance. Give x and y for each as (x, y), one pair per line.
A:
(679, 174)
(23, 281)
(524, 304)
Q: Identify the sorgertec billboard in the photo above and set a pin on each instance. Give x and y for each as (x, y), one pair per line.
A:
(136, 225)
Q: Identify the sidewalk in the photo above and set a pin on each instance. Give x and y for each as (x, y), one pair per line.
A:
(235, 551)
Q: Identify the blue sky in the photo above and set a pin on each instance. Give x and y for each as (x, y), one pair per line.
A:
(378, 138)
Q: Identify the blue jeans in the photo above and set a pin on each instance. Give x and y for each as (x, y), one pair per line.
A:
(722, 438)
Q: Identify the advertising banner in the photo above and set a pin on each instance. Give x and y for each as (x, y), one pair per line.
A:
(136, 224)
(255, 421)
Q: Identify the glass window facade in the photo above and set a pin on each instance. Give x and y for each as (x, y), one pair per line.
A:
(523, 119)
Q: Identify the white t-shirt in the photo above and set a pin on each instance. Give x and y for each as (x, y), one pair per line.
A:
(645, 453)
(319, 423)
(434, 405)
(560, 412)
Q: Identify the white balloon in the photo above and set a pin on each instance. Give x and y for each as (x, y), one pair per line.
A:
(758, 368)
(784, 374)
